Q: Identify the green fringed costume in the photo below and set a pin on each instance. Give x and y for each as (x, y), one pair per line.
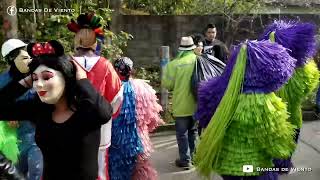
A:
(8, 141)
(303, 82)
(246, 129)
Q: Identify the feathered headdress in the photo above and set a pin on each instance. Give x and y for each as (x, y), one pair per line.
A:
(89, 21)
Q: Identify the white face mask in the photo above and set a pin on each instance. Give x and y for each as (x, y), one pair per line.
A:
(49, 84)
(22, 61)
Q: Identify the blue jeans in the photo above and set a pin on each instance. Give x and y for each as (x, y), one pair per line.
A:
(186, 131)
(31, 163)
(30, 158)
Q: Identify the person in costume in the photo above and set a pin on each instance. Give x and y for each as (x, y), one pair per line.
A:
(30, 158)
(68, 112)
(131, 146)
(300, 40)
(100, 72)
(249, 125)
(8, 170)
(206, 67)
(177, 78)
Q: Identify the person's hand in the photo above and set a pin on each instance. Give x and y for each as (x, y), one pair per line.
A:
(81, 73)
(13, 124)
(15, 74)
(26, 82)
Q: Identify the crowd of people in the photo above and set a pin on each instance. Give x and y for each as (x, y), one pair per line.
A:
(83, 117)
(74, 117)
(249, 109)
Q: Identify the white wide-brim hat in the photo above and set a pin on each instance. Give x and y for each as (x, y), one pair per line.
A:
(11, 45)
(186, 44)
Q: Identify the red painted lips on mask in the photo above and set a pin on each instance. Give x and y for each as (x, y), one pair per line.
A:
(42, 93)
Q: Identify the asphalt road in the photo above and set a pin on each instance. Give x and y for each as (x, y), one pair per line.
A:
(307, 155)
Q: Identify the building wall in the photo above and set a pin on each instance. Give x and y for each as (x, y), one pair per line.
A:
(152, 32)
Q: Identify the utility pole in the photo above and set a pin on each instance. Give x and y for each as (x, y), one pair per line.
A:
(164, 59)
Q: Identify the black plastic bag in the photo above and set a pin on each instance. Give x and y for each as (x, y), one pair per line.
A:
(206, 67)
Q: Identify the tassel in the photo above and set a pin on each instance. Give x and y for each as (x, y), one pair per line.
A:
(298, 37)
(9, 142)
(269, 67)
(209, 147)
(148, 116)
(303, 82)
(259, 132)
(125, 141)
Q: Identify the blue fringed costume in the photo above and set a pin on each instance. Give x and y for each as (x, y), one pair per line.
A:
(125, 141)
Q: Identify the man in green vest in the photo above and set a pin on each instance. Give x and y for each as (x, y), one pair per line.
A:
(177, 78)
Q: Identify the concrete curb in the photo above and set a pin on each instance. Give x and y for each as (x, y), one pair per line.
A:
(310, 116)
(166, 127)
(307, 116)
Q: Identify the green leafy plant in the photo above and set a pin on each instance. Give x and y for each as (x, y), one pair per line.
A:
(151, 73)
(54, 26)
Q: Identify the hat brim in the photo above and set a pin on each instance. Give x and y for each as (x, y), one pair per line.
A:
(5, 50)
(187, 48)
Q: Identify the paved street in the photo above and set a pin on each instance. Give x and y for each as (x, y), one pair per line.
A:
(307, 155)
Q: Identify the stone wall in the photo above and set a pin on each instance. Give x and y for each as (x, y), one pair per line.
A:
(152, 32)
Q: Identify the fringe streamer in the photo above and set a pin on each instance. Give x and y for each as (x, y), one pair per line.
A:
(148, 116)
(125, 141)
(144, 170)
(303, 82)
(298, 37)
(259, 132)
(149, 119)
(9, 141)
(269, 66)
(209, 147)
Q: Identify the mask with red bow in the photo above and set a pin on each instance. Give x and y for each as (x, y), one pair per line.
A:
(50, 48)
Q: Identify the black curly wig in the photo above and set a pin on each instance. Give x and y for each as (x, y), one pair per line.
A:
(60, 62)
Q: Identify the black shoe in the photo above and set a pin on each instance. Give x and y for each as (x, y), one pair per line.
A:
(182, 164)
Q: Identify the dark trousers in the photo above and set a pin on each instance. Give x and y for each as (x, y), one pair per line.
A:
(186, 131)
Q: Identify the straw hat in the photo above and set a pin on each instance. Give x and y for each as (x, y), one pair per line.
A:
(186, 44)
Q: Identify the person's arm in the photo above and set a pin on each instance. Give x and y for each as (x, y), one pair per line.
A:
(113, 90)
(90, 100)
(10, 109)
(168, 77)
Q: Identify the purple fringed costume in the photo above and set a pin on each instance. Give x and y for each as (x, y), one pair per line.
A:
(263, 75)
(258, 78)
(299, 39)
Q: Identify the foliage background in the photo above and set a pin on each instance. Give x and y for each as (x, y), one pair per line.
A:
(45, 26)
